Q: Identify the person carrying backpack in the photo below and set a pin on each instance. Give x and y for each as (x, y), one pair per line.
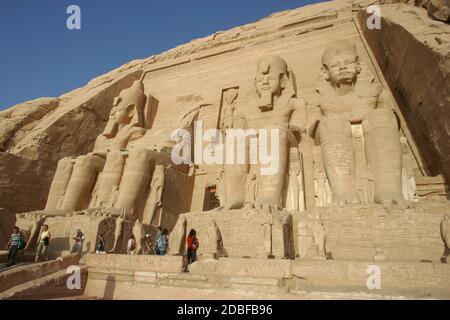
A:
(162, 242)
(44, 241)
(101, 245)
(16, 242)
(192, 246)
(158, 234)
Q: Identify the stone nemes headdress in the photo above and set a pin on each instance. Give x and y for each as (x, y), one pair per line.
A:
(338, 47)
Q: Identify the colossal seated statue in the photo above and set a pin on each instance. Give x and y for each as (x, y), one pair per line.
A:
(343, 101)
(272, 106)
(112, 163)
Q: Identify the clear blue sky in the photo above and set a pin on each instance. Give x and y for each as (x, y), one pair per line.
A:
(40, 57)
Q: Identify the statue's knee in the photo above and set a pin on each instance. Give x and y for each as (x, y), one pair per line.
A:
(139, 157)
(85, 162)
(65, 161)
(380, 118)
(114, 158)
(334, 128)
(82, 161)
(139, 154)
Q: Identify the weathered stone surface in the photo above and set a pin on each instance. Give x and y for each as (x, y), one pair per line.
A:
(440, 10)
(243, 232)
(363, 144)
(408, 234)
(23, 274)
(394, 275)
(243, 267)
(406, 37)
(63, 230)
(150, 263)
(17, 121)
(50, 286)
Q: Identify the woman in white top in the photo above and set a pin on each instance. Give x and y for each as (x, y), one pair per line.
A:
(44, 240)
(131, 245)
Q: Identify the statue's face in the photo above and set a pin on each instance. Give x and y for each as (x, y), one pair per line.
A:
(268, 79)
(122, 115)
(342, 68)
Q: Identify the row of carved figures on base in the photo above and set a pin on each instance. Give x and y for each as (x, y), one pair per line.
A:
(311, 237)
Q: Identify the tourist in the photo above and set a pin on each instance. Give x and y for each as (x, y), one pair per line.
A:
(162, 242)
(101, 245)
(16, 242)
(158, 233)
(131, 245)
(44, 241)
(78, 245)
(192, 244)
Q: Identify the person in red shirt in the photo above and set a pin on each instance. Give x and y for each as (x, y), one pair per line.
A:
(192, 244)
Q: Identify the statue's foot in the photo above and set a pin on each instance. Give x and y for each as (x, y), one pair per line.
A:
(343, 198)
(249, 205)
(227, 206)
(388, 199)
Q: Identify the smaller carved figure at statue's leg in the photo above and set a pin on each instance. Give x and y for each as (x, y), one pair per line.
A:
(111, 176)
(118, 232)
(384, 156)
(268, 240)
(81, 182)
(319, 238)
(150, 210)
(339, 159)
(60, 182)
(35, 231)
(136, 173)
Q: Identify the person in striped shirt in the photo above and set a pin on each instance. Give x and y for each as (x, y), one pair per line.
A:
(13, 246)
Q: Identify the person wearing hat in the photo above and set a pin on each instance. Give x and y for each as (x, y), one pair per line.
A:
(78, 245)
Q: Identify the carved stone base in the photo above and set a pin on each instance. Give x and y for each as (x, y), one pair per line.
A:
(356, 231)
(243, 267)
(92, 223)
(128, 264)
(246, 233)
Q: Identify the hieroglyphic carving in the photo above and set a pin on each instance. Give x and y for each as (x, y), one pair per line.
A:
(229, 102)
(220, 190)
(251, 190)
(311, 236)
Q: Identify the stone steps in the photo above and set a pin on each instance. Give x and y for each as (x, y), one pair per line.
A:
(79, 297)
(51, 285)
(125, 277)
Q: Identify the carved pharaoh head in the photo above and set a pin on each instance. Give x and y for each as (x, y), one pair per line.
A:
(128, 108)
(129, 105)
(271, 78)
(340, 63)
